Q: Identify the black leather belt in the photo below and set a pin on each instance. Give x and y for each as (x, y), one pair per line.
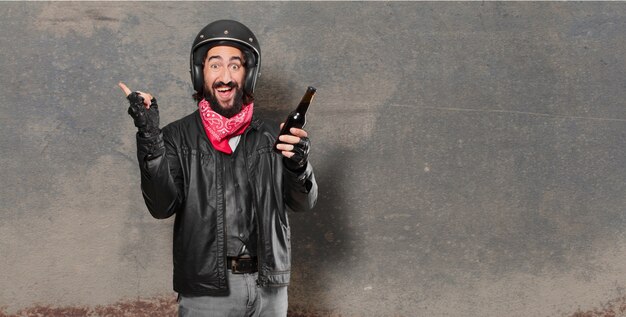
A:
(242, 265)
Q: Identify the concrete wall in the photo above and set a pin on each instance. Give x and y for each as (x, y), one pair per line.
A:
(470, 156)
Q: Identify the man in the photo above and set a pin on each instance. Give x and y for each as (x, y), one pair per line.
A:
(216, 170)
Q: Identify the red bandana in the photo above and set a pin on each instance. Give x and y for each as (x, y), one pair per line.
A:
(220, 129)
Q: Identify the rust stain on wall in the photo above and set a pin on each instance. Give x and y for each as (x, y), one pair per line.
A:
(151, 307)
(305, 312)
(167, 306)
(158, 306)
(614, 308)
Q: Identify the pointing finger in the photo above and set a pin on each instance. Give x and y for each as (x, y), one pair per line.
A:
(126, 90)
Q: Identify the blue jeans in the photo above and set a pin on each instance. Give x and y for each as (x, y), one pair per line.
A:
(246, 299)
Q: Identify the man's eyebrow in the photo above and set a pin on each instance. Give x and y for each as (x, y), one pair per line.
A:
(214, 57)
(233, 58)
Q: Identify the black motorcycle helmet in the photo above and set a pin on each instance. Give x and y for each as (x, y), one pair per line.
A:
(231, 33)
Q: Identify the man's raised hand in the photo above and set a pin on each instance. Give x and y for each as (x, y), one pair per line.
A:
(144, 111)
(147, 98)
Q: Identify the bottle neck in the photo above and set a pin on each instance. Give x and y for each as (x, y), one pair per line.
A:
(303, 106)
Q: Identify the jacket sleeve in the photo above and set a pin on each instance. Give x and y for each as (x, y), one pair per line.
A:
(161, 174)
(300, 189)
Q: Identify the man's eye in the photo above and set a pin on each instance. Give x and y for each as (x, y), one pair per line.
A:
(214, 66)
(234, 67)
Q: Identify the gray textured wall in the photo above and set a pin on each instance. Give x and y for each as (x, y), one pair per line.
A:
(470, 156)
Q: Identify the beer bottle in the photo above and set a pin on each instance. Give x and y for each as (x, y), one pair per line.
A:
(297, 118)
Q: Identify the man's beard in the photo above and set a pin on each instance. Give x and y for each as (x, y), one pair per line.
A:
(217, 107)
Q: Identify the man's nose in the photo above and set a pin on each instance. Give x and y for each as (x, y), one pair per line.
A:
(226, 76)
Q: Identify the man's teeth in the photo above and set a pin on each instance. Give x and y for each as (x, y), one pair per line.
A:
(223, 89)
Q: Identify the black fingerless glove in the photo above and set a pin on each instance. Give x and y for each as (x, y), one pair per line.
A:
(146, 120)
(297, 162)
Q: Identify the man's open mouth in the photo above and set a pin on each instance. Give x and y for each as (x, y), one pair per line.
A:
(225, 91)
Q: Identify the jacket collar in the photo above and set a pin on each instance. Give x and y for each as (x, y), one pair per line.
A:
(255, 123)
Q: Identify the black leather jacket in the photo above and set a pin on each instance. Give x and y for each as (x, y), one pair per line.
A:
(181, 174)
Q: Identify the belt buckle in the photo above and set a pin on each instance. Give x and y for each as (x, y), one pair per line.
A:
(242, 265)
